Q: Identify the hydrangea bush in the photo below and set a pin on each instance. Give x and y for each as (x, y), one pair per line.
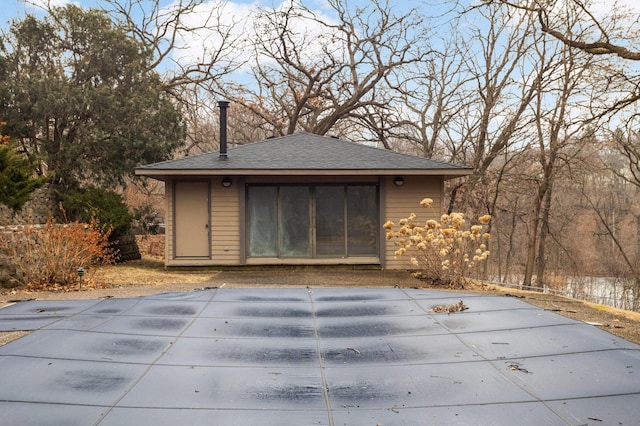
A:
(444, 251)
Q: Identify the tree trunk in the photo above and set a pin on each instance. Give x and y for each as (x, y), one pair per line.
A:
(636, 287)
(510, 249)
(542, 240)
(532, 236)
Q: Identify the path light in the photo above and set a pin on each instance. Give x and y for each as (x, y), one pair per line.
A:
(398, 181)
(80, 274)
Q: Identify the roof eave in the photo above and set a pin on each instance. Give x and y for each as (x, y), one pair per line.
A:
(157, 173)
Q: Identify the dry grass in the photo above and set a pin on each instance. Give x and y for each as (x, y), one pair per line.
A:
(635, 316)
(148, 272)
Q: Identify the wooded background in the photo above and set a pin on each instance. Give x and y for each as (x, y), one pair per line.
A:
(540, 97)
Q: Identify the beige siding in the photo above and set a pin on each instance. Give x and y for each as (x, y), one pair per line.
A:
(404, 200)
(225, 223)
(224, 226)
(399, 202)
(168, 219)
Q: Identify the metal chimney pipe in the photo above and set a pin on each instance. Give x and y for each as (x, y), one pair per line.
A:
(223, 128)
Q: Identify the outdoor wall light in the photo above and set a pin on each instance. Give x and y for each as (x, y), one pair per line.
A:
(398, 181)
(226, 181)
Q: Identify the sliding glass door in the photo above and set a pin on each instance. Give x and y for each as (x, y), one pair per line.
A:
(333, 221)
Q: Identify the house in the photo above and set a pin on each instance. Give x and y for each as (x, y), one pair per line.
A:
(301, 199)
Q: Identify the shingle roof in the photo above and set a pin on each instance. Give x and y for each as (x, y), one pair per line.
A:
(303, 152)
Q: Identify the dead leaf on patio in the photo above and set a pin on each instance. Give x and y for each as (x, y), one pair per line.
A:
(455, 307)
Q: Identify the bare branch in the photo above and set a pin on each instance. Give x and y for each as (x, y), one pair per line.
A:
(165, 30)
(317, 70)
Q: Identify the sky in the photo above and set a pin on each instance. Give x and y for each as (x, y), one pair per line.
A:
(241, 11)
(237, 13)
(11, 9)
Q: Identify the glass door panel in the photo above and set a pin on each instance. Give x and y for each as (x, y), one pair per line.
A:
(295, 221)
(262, 215)
(362, 220)
(330, 211)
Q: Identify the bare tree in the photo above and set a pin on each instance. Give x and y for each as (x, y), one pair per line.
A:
(558, 141)
(312, 71)
(613, 200)
(628, 145)
(431, 99)
(600, 41)
(508, 199)
(505, 76)
(611, 36)
(212, 52)
(615, 34)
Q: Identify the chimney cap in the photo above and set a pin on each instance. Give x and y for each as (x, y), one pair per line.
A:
(223, 103)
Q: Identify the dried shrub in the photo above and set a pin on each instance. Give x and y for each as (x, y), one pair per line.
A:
(51, 254)
(445, 250)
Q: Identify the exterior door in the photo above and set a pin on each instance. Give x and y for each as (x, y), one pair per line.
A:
(191, 207)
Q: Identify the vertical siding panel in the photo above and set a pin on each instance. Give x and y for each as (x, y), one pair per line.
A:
(169, 235)
(225, 223)
(404, 200)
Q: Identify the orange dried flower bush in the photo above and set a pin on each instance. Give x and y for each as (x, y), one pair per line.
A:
(52, 253)
(445, 250)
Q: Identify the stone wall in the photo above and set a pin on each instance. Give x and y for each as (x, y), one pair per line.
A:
(42, 203)
(10, 274)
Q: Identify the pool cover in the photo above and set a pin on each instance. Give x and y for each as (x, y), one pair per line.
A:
(311, 356)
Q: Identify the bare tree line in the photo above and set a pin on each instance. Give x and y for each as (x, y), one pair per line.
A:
(540, 97)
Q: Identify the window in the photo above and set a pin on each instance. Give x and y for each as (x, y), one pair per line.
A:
(312, 220)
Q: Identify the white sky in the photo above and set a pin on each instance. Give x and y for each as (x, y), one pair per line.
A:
(241, 19)
(241, 14)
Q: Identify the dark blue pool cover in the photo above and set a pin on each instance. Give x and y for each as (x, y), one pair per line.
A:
(311, 356)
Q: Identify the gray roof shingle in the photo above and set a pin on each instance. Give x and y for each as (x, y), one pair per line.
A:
(303, 151)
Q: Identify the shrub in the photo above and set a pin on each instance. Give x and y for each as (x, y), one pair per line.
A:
(16, 178)
(106, 206)
(147, 219)
(445, 250)
(52, 254)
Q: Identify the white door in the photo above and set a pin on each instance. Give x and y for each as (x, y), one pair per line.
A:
(191, 206)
